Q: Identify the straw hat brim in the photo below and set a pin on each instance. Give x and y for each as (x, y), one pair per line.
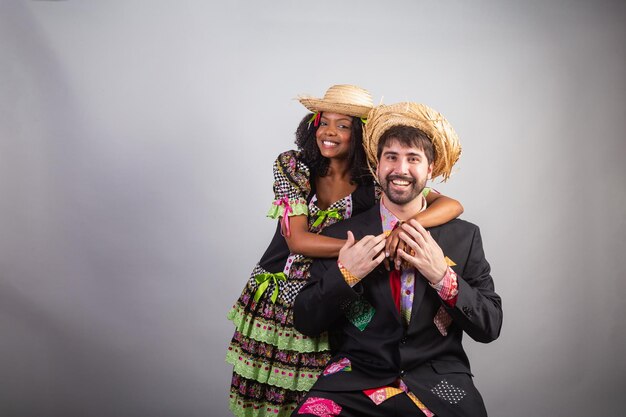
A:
(320, 105)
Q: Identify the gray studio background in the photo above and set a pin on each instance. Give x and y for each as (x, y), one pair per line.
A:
(136, 144)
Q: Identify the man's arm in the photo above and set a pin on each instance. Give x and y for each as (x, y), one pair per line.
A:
(318, 305)
(477, 309)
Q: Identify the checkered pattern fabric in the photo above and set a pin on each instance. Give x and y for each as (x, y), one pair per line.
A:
(348, 276)
(291, 177)
(448, 287)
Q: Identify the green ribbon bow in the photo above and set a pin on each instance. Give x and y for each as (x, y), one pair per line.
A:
(264, 280)
(326, 214)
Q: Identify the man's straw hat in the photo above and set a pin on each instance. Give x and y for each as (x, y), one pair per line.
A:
(429, 121)
(343, 99)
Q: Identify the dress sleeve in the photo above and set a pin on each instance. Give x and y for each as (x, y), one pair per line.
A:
(291, 186)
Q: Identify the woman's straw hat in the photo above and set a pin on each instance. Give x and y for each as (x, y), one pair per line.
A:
(429, 121)
(343, 99)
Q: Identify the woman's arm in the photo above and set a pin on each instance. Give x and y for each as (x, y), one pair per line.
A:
(440, 210)
(301, 241)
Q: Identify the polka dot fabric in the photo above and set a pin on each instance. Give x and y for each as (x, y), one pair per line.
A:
(448, 392)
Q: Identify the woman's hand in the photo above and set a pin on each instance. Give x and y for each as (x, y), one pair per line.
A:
(392, 244)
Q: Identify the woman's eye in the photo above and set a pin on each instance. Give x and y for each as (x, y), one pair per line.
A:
(323, 124)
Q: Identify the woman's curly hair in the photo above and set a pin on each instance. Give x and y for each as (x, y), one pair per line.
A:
(318, 164)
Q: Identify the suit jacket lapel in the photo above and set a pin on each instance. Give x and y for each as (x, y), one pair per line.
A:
(421, 283)
(371, 224)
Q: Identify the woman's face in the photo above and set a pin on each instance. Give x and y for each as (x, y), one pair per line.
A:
(333, 135)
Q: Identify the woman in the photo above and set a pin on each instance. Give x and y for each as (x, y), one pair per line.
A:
(326, 181)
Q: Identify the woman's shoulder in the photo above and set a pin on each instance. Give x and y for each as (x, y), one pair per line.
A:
(290, 155)
(291, 164)
(291, 176)
(291, 159)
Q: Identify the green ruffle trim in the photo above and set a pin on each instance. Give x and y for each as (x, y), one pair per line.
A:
(242, 408)
(256, 369)
(425, 191)
(298, 207)
(269, 332)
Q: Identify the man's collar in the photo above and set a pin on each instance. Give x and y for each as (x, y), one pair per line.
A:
(389, 219)
(421, 196)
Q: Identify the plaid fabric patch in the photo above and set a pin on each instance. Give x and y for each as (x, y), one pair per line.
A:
(449, 286)
(442, 321)
(350, 278)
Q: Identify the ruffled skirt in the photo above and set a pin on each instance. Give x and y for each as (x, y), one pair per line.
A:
(273, 364)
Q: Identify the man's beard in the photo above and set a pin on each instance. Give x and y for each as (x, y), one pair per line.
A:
(411, 192)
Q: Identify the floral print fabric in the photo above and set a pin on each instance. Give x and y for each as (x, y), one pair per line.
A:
(342, 364)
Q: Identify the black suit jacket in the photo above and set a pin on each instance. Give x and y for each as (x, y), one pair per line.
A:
(434, 367)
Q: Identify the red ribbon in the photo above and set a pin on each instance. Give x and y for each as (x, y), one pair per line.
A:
(317, 119)
(285, 230)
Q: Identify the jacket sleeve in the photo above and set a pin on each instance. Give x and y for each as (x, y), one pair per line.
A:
(321, 301)
(478, 310)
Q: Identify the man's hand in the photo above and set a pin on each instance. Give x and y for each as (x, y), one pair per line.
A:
(360, 258)
(426, 255)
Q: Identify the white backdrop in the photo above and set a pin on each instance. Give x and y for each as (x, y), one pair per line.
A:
(136, 143)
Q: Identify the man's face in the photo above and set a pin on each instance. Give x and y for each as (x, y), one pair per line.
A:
(402, 172)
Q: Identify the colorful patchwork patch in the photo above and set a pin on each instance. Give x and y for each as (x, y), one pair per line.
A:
(420, 405)
(442, 321)
(360, 312)
(341, 365)
(321, 407)
(448, 392)
(379, 395)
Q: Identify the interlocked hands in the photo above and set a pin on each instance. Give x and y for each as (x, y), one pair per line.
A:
(422, 252)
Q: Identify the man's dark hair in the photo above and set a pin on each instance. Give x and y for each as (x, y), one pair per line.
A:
(407, 136)
(318, 164)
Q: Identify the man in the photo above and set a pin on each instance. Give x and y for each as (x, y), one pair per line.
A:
(397, 335)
